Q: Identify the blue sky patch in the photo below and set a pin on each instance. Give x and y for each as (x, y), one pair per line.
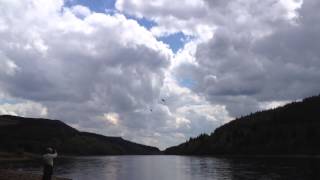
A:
(147, 23)
(176, 41)
(108, 6)
(186, 82)
(99, 6)
(8, 101)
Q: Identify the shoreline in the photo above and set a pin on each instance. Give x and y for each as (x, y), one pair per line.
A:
(17, 175)
(250, 156)
(7, 156)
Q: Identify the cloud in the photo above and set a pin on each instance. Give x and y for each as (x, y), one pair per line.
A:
(26, 109)
(112, 118)
(159, 8)
(108, 74)
(171, 16)
(80, 68)
(97, 72)
(7, 67)
(269, 56)
(80, 11)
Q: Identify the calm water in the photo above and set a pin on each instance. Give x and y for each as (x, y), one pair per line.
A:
(177, 168)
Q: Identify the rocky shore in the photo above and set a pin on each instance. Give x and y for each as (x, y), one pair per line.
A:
(13, 175)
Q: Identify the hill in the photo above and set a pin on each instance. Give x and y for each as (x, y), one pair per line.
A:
(18, 134)
(293, 129)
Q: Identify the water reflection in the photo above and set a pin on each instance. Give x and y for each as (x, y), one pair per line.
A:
(177, 168)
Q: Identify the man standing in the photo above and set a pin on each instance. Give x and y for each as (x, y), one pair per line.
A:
(48, 157)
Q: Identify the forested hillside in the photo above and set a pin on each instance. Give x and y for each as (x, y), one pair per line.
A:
(19, 134)
(293, 129)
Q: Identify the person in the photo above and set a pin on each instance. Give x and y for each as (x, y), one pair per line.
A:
(48, 157)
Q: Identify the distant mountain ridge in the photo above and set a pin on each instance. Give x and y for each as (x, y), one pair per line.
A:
(33, 135)
(293, 129)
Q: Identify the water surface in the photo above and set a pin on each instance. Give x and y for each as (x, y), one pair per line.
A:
(177, 168)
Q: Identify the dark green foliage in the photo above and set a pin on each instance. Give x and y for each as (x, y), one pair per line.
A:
(291, 129)
(19, 134)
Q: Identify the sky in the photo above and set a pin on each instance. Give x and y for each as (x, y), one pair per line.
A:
(155, 72)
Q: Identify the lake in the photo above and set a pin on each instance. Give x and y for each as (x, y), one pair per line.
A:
(177, 168)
